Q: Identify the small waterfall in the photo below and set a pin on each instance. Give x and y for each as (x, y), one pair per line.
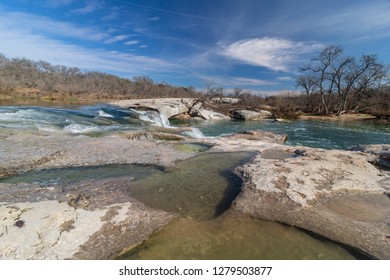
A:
(153, 116)
(102, 113)
(194, 133)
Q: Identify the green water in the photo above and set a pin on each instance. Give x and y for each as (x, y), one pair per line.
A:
(201, 191)
(317, 134)
(200, 188)
(234, 236)
(191, 147)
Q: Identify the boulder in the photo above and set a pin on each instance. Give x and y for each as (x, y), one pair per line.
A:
(336, 194)
(168, 107)
(198, 111)
(251, 115)
(211, 115)
(266, 136)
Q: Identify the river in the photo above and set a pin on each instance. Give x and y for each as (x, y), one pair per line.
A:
(200, 189)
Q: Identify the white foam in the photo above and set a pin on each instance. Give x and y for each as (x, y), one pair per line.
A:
(101, 113)
(195, 133)
(81, 128)
(154, 117)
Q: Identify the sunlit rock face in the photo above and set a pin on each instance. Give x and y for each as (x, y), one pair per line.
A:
(337, 194)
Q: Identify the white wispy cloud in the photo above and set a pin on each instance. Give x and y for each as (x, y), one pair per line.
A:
(274, 53)
(90, 6)
(42, 24)
(234, 81)
(21, 43)
(111, 16)
(117, 39)
(362, 20)
(130, 43)
(154, 18)
(285, 78)
(250, 81)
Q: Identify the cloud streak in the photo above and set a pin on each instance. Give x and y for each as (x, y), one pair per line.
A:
(42, 24)
(116, 39)
(130, 43)
(14, 43)
(243, 82)
(91, 6)
(274, 53)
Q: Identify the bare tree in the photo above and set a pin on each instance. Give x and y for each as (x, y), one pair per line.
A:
(340, 81)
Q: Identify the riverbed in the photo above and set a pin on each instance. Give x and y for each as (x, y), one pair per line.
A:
(199, 189)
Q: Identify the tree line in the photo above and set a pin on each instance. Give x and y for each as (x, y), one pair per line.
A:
(28, 78)
(334, 83)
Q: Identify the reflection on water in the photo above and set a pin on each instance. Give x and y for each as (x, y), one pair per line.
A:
(234, 236)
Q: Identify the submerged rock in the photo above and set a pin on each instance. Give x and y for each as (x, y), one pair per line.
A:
(150, 135)
(266, 136)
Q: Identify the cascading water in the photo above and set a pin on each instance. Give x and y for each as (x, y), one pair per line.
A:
(153, 117)
(97, 119)
(159, 119)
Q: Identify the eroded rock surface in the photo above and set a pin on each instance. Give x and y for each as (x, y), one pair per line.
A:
(167, 106)
(171, 107)
(337, 194)
(341, 195)
(54, 230)
(264, 136)
(90, 219)
(248, 115)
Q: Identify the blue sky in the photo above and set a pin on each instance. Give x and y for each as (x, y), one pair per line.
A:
(251, 44)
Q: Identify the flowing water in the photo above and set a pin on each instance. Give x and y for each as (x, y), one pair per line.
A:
(99, 119)
(200, 189)
(316, 134)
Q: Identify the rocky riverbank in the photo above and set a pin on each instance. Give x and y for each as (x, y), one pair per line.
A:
(342, 195)
(193, 108)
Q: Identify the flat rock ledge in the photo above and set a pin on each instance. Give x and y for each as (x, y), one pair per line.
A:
(92, 219)
(53, 230)
(172, 107)
(341, 195)
(336, 194)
